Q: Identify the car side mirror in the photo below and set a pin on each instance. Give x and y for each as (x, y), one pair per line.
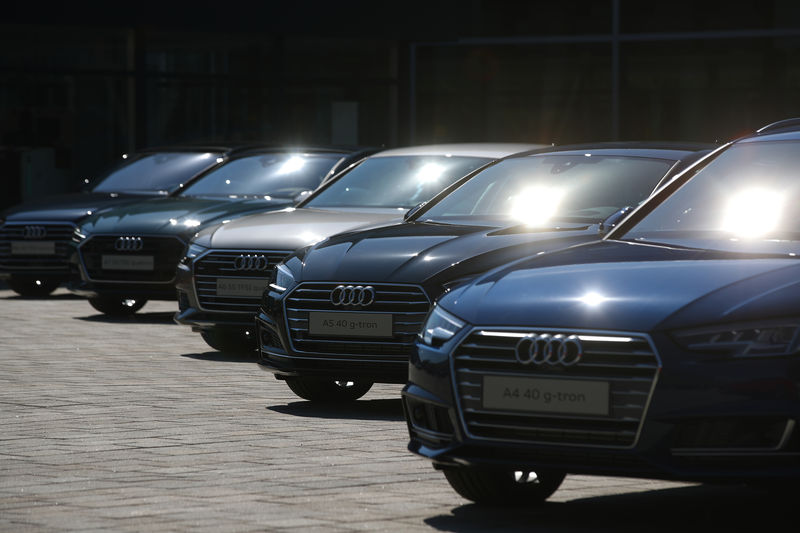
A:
(301, 196)
(613, 219)
(414, 210)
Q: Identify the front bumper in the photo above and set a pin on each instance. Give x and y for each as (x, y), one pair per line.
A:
(276, 358)
(36, 249)
(289, 347)
(145, 273)
(222, 288)
(706, 421)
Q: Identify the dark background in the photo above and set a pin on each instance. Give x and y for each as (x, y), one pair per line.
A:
(83, 82)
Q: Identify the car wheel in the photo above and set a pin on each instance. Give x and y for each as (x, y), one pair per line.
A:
(32, 287)
(328, 390)
(117, 306)
(228, 341)
(490, 487)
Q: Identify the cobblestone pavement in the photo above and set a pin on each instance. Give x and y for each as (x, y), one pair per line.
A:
(135, 425)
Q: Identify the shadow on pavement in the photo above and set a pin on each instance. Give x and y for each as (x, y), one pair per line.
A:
(224, 357)
(699, 508)
(136, 318)
(383, 409)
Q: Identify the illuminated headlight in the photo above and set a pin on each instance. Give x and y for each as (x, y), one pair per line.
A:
(282, 278)
(440, 327)
(743, 340)
(193, 251)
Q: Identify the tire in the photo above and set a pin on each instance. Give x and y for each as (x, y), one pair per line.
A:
(328, 390)
(490, 487)
(229, 341)
(32, 287)
(117, 306)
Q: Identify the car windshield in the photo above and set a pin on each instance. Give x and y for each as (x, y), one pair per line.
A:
(395, 181)
(747, 199)
(156, 172)
(282, 175)
(542, 189)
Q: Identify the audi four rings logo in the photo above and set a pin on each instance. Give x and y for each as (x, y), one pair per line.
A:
(34, 232)
(251, 262)
(128, 244)
(353, 295)
(546, 349)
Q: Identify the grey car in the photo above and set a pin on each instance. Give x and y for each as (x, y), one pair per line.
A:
(226, 266)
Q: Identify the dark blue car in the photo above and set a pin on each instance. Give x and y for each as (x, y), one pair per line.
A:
(668, 350)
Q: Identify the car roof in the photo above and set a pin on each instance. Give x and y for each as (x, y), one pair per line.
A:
(493, 150)
(265, 149)
(780, 135)
(248, 148)
(673, 149)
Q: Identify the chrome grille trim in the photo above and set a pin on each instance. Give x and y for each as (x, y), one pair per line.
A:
(631, 368)
(408, 304)
(59, 232)
(214, 264)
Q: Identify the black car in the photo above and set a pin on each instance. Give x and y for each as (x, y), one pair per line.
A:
(670, 349)
(34, 235)
(125, 255)
(344, 313)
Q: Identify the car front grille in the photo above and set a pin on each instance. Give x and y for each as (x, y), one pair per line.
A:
(248, 266)
(28, 246)
(628, 363)
(164, 251)
(408, 305)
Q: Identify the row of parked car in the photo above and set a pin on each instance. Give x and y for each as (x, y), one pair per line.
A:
(608, 308)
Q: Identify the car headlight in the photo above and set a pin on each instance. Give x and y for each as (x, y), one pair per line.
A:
(78, 235)
(440, 327)
(763, 339)
(281, 278)
(193, 251)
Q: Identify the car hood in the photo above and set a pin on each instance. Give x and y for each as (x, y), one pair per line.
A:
(629, 287)
(423, 252)
(67, 207)
(291, 228)
(171, 216)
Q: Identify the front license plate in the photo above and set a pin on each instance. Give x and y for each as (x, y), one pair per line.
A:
(127, 262)
(253, 288)
(350, 324)
(568, 396)
(33, 247)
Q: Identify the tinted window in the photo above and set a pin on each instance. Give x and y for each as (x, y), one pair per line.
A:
(395, 181)
(541, 188)
(156, 172)
(748, 193)
(280, 175)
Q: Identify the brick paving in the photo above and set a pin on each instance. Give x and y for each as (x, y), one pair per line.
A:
(135, 425)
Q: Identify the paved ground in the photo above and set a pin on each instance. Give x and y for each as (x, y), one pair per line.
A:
(134, 425)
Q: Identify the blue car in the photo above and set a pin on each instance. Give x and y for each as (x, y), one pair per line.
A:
(668, 349)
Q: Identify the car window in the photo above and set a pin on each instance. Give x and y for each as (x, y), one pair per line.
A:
(395, 181)
(281, 175)
(749, 193)
(539, 189)
(156, 172)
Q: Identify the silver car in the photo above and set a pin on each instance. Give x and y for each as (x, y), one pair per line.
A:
(226, 267)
